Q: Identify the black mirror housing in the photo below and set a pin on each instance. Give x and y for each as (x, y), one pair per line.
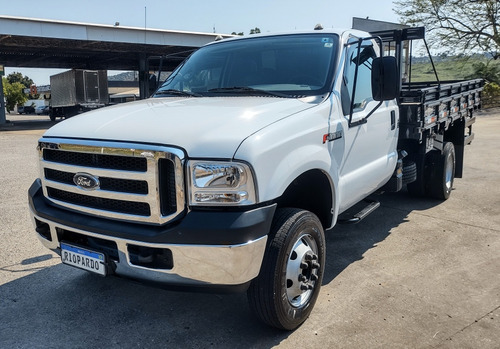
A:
(385, 78)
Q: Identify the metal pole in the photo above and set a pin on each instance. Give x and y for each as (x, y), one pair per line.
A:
(143, 77)
(432, 62)
(3, 121)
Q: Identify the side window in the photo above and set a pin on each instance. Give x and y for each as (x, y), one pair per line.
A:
(358, 58)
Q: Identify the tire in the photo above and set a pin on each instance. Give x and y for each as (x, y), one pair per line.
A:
(52, 117)
(409, 172)
(442, 173)
(417, 188)
(284, 293)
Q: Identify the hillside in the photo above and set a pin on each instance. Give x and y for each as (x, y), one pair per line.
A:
(449, 68)
(125, 76)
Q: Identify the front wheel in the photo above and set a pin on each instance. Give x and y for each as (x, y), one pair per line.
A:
(288, 285)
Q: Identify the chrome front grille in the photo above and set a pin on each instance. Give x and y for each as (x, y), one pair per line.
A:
(135, 182)
(106, 183)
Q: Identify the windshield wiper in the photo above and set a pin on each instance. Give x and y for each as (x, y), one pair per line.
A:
(176, 93)
(246, 89)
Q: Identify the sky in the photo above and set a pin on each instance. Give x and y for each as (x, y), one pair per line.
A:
(220, 16)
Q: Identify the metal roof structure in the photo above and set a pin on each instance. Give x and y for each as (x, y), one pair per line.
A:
(41, 43)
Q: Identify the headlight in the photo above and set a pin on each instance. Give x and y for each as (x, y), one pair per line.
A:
(213, 183)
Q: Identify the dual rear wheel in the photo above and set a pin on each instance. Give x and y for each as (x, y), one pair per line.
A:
(435, 174)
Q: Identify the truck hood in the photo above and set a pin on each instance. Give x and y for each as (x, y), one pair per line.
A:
(203, 127)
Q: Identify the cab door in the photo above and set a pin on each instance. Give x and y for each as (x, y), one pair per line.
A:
(370, 154)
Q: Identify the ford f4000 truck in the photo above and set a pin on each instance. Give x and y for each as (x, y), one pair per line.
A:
(228, 176)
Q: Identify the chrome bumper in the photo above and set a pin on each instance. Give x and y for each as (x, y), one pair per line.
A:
(193, 265)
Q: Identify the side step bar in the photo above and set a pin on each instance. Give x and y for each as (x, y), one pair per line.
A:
(371, 205)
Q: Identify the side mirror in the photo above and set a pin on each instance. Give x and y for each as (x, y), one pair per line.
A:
(385, 78)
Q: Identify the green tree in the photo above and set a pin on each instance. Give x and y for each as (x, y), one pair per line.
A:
(459, 25)
(252, 31)
(491, 95)
(255, 31)
(18, 77)
(489, 71)
(13, 93)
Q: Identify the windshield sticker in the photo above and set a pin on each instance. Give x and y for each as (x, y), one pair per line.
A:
(328, 42)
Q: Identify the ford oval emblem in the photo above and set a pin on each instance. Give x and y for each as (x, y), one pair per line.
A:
(86, 181)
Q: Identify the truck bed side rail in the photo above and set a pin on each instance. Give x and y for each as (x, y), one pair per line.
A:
(424, 92)
(429, 106)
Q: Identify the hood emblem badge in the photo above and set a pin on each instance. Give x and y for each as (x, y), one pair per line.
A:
(86, 181)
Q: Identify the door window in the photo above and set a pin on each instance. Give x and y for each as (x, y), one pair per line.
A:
(359, 60)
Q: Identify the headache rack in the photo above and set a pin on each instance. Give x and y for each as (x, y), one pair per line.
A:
(430, 104)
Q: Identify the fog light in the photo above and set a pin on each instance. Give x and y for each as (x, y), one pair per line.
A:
(43, 229)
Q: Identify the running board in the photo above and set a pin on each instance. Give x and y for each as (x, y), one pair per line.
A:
(371, 205)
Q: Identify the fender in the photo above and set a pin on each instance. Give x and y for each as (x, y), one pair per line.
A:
(282, 151)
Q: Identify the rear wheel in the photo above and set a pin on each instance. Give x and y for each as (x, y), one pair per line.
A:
(418, 186)
(443, 173)
(288, 285)
(409, 172)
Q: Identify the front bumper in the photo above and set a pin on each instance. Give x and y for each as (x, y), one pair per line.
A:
(207, 248)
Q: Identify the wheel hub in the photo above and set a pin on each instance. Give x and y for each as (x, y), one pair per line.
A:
(302, 271)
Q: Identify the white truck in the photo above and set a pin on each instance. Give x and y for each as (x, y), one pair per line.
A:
(228, 176)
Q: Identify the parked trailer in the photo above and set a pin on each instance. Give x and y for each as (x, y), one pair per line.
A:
(76, 91)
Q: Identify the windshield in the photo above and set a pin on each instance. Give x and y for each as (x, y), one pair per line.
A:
(283, 66)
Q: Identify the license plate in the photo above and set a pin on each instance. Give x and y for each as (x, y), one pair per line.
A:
(83, 259)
